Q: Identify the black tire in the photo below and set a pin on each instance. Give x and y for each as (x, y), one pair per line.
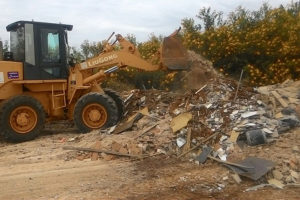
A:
(7, 109)
(119, 101)
(94, 98)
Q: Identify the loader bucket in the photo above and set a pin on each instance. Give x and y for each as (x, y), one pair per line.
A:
(173, 54)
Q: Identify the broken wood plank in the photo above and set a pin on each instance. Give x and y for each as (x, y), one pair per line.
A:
(234, 136)
(180, 121)
(201, 89)
(238, 86)
(280, 99)
(199, 145)
(128, 124)
(101, 151)
(146, 130)
(187, 146)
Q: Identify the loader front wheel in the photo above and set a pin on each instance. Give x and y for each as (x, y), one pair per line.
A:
(95, 111)
(21, 118)
(118, 100)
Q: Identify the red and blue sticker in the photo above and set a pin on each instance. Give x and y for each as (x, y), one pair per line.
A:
(12, 75)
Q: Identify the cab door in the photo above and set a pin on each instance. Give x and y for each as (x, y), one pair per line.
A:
(51, 57)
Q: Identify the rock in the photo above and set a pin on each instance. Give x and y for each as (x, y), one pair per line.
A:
(287, 111)
(123, 150)
(289, 122)
(236, 178)
(144, 147)
(95, 155)
(295, 149)
(285, 169)
(161, 151)
(276, 183)
(278, 115)
(134, 149)
(283, 129)
(80, 157)
(277, 174)
(297, 109)
(289, 179)
(256, 137)
(115, 146)
(294, 174)
(107, 157)
(294, 163)
(143, 122)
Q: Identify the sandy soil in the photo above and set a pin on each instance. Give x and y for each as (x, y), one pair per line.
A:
(41, 169)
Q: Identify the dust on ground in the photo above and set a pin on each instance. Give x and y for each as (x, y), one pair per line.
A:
(40, 169)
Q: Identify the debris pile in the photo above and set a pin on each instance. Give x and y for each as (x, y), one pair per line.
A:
(207, 122)
(157, 120)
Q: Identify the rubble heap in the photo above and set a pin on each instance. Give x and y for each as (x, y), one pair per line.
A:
(174, 123)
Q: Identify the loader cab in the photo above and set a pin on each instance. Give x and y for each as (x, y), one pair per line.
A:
(42, 47)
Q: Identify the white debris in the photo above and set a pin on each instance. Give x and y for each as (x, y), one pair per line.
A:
(180, 142)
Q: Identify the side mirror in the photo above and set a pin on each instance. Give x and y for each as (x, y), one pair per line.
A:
(8, 56)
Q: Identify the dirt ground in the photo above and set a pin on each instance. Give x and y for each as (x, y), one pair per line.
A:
(41, 169)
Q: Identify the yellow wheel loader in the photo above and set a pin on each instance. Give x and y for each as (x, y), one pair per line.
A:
(38, 83)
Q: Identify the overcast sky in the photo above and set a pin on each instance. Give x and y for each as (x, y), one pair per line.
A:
(95, 20)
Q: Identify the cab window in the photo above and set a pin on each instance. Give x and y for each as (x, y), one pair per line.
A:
(17, 44)
(50, 46)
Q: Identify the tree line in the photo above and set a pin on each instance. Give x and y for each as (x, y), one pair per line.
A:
(265, 43)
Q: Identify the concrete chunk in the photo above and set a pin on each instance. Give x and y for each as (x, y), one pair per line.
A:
(236, 178)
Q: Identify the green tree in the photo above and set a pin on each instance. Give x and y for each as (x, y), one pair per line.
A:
(76, 54)
(131, 38)
(85, 49)
(91, 49)
(210, 19)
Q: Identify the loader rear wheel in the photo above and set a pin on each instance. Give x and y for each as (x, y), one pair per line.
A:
(95, 111)
(118, 100)
(21, 118)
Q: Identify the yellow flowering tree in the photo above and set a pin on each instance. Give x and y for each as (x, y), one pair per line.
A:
(265, 43)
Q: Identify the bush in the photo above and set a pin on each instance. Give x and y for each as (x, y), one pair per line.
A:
(265, 43)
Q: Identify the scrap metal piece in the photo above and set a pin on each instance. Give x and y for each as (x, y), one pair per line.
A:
(204, 154)
(259, 167)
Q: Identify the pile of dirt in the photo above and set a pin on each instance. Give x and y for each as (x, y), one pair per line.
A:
(201, 71)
